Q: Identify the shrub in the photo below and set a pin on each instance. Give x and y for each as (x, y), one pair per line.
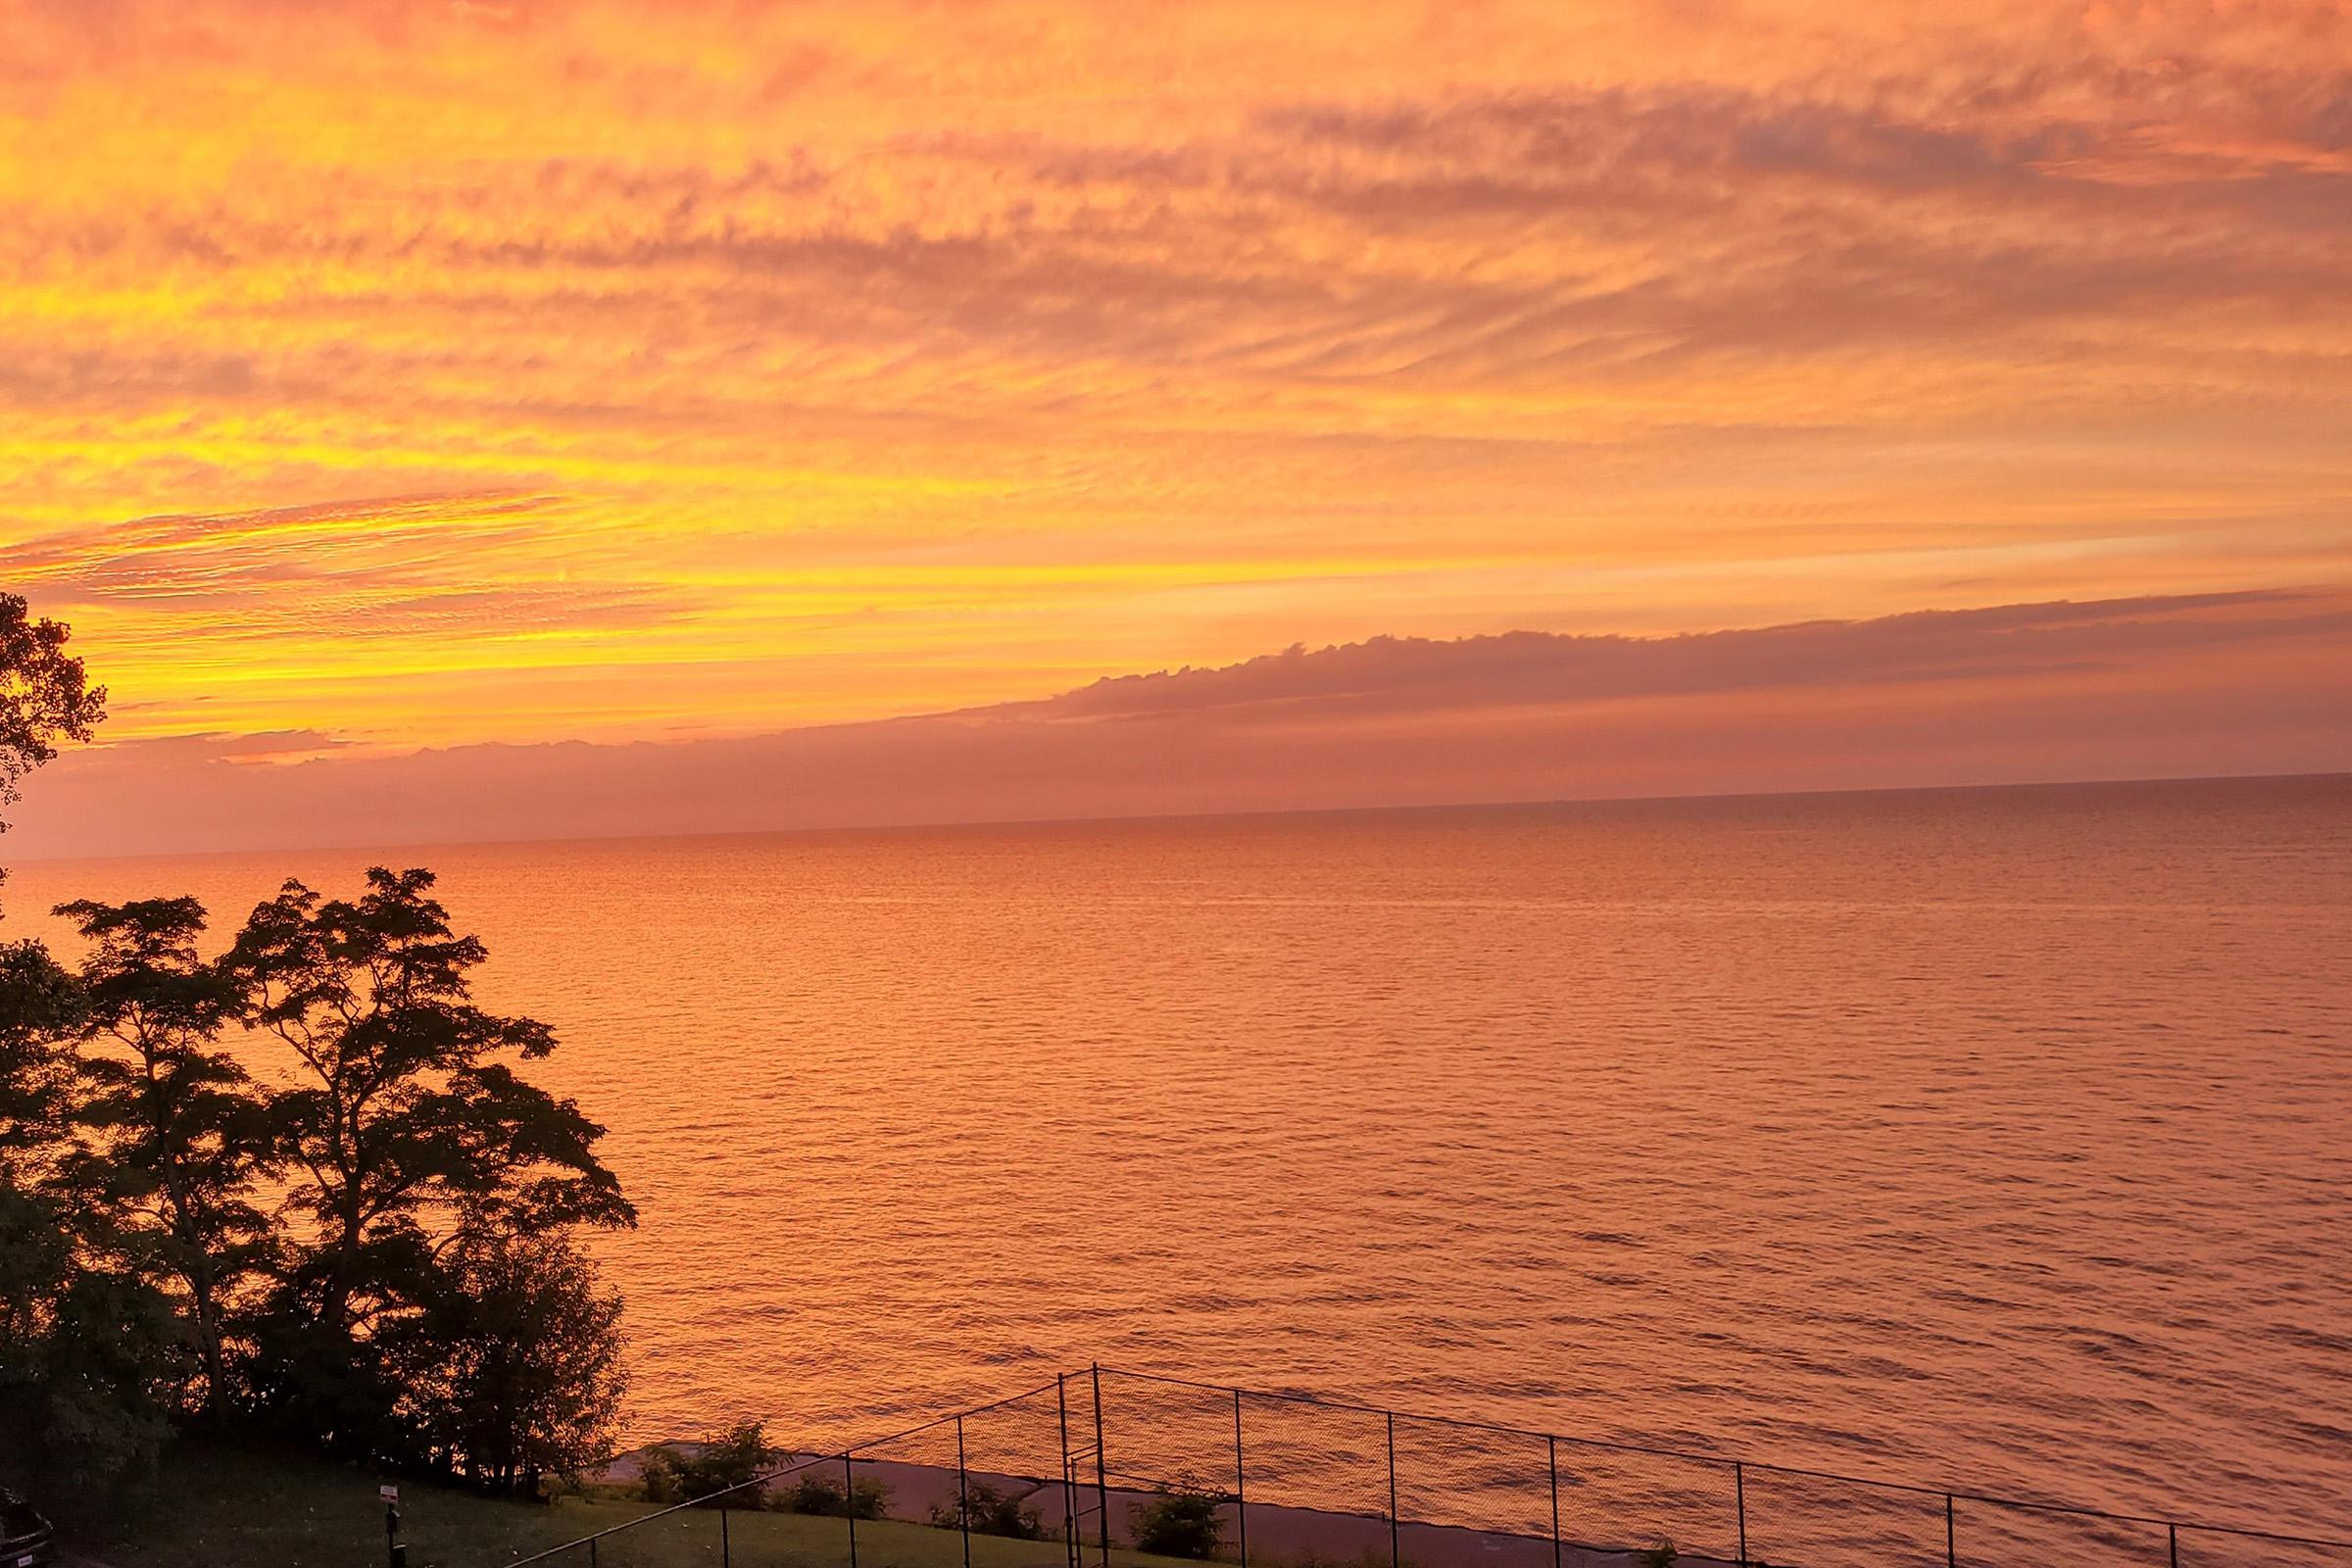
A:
(659, 1469)
(1660, 1555)
(816, 1495)
(1181, 1521)
(513, 1369)
(989, 1512)
(726, 1463)
(736, 1457)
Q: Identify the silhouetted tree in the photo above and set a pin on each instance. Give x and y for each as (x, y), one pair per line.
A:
(44, 695)
(416, 1294)
(81, 1347)
(37, 1006)
(513, 1367)
(89, 1355)
(43, 699)
(40, 1006)
(406, 1136)
(90, 1351)
(181, 1133)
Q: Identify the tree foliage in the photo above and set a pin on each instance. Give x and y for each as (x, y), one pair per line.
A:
(372, 1257)
(90, 1353)
(407, 1127)
(730, 1462)
(88, 1348)
(513, 1367)
(373, 1254)
(405, 1135)
(44, 695)
(78, 1344)
(181, 1132)
(40, 1005)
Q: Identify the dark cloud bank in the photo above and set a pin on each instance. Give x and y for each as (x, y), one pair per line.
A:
(2173, 686)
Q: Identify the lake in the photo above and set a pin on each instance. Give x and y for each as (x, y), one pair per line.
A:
(1989, 1137)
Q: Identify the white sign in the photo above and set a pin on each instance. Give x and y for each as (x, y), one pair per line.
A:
(388, 1494)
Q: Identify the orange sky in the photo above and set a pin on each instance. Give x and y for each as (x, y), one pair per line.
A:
(431, 373)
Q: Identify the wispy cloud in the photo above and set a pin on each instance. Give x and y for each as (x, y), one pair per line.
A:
(194, 555)
(213, 746)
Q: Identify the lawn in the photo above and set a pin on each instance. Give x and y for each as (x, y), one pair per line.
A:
(238, 1510)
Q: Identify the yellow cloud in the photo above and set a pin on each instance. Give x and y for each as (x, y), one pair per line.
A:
(864, 358)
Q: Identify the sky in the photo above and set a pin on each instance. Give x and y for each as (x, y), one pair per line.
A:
(383, 380)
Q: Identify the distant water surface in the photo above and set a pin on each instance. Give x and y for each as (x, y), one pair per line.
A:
(1996, 1136)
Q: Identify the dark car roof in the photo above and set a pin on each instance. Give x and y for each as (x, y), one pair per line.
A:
(19, 1520)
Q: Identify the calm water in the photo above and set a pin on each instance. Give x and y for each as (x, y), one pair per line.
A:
(1997, 1136)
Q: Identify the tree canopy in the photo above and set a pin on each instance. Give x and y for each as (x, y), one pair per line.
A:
(303, 1184)
(180, 1135)
(406, 1133)
(44, 695)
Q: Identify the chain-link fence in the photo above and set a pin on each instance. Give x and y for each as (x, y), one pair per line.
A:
(1115, 1469)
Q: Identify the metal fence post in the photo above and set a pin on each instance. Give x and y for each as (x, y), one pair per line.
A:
(848, 1504)
(1551, 1456)
(1396, 1554)
(964, 1495)
(591, 1551)
(1739, 1502)
(1102, 1481)
(1952, 1555)
(1241, 1482)
(726, 1548)
(1070, 1471)
(2172, 1544)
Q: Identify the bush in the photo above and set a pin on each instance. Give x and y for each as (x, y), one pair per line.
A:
(1661, 1556)
(662, 1484)
(818, 1496)
(987, 1512)
(1181, 1521)
(729, 1462)
(513, 1369)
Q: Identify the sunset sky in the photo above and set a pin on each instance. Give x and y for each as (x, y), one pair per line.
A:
(377, 376)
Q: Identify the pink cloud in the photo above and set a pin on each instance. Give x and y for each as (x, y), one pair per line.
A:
(2187, 685)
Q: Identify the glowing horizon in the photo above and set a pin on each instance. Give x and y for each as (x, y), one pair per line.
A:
(427, 376)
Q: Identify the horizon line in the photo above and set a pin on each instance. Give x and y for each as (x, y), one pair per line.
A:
(949, 826)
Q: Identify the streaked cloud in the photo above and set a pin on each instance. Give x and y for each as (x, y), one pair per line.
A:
(273, 746)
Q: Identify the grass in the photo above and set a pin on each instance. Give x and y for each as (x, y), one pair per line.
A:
(224, 1509)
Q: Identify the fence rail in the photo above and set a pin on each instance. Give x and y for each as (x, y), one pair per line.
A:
(1078, 1472)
